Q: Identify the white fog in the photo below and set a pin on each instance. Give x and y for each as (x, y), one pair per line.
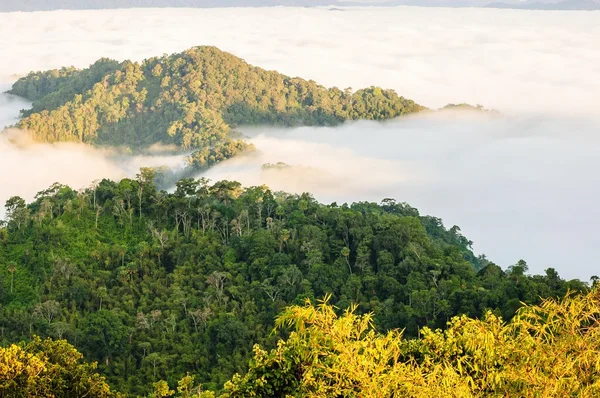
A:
(520, 185)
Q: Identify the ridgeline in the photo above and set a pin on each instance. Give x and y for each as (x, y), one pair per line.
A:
(155, 285)
(192, 100)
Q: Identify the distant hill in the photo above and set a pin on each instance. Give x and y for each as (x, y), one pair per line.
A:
(573, 5)
(190, 100)
(585, 5)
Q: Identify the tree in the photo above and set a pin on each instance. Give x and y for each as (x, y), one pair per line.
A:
(46, 368)
(346, 254)
(187, 389)
(199, 301)
(155, 359)
(217, 280)
(12, 269)
(145, 185)
(16, 212)
(48, 310)
(102, 293)
(330, 355)
(161, 390)
(272, 291)
(291, 276)
(200, 316)
(103, 334)
(518, 270)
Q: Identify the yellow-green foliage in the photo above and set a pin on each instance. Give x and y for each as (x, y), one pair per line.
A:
(551, 350)
(46, 368)
(186, 388)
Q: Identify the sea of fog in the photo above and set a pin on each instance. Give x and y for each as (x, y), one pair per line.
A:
(520, 184)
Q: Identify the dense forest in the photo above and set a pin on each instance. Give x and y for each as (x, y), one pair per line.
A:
(179, 286)
(192, 101)
(547, 350)
(126, 287)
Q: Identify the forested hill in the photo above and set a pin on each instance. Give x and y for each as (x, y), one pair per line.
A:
(154, 285)
(191, 100)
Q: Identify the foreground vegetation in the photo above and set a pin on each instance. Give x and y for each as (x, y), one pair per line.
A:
(48, 369)
(550, 350)
(154, 285)
(164, 294)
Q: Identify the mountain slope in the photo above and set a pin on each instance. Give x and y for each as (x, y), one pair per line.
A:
(153, 284)
(190, 100)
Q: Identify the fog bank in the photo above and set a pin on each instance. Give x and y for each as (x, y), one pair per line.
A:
(27, 168)
(505, 59)
(519, 186)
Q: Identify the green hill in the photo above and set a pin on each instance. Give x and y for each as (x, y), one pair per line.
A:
(192, 100)
(153, 285)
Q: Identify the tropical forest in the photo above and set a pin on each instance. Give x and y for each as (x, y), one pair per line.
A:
(174, 285)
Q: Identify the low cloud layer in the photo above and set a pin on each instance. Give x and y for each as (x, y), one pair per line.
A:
(27, 168)
(505, 59)
(10, 107)
(520, 186)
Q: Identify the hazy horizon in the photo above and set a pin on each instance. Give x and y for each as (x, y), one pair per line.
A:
(46, 5)
(520, 185)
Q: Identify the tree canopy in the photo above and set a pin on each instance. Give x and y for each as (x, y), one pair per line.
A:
(192, 100)
(48, 369)
(548, 350)
(160, 286)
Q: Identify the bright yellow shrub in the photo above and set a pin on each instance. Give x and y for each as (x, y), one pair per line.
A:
(550, 350)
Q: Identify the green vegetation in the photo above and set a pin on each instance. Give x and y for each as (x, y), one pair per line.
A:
(549, 350)
(48, 369)
(192, 100)
(275, 166)
(468, 107)
(154, 285)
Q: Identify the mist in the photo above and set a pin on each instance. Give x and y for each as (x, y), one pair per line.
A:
(27, 168)
(506, 59)
(520, 187)
(520, 184)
